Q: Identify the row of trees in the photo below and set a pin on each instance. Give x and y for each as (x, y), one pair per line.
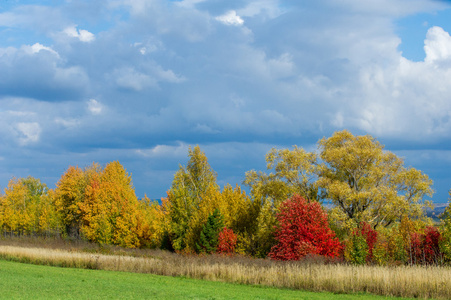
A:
(377, 212)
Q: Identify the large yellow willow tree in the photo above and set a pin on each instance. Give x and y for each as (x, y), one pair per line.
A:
(369, 184)
(355, 173)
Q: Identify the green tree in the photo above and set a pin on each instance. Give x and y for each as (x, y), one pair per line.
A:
(369, 184)
(208, 241)
(188, 190)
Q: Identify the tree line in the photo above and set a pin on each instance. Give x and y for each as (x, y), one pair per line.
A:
(377, 213)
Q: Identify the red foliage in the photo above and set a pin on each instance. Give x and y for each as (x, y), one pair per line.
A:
(432, 239)
(370, 236)
(226, 241)
(425, 247)
(303, 229)
(416, 247)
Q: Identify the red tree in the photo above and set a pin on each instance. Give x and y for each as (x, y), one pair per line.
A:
(303, 229)
(226, 241)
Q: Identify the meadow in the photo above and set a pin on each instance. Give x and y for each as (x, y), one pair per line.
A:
(308, 275)
(25, 281)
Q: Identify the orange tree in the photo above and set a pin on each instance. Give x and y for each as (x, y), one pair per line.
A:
(110, 210)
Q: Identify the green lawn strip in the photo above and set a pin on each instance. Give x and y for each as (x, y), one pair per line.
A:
(26, 281)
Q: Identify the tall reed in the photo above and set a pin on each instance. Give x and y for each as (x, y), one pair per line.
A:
(405, 281)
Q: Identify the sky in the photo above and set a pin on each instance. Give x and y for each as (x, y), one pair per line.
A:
(140, 81)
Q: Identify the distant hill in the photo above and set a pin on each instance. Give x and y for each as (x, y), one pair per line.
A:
(435, 213)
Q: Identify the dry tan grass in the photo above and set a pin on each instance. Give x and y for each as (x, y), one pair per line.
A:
(403, 281)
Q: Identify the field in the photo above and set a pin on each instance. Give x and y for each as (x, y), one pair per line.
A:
(402, 281)
(27, 281)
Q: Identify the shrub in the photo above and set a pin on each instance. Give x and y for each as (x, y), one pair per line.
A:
(425, 247)
(357, 249)
(397, 247)
(445, 242)
(226, 241)
(380, 251)
(370, 235)
(303, 229)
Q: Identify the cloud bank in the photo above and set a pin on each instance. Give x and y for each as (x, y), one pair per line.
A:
(139, 81)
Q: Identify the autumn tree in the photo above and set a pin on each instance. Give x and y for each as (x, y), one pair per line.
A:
(110, 210)
(70, 192)
(26, 207)
(367, 183)
(303, 229)
(360, 246)
(152, 223)
(187, 193)
(293, 172)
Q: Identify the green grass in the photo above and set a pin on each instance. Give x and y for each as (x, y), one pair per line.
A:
(26, 281)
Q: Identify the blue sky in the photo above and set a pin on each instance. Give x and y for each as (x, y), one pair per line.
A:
(139, 81)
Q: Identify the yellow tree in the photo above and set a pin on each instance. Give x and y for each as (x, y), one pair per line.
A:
(294, 172)
(152, 222)
(22, 204)
(70, 193)
(49, 219)
(110, 210)
(13, 207)
(369, 184)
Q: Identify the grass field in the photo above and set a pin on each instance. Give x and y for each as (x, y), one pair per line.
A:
(424, 282)
(26, 281)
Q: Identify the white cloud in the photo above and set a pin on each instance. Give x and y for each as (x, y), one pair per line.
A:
(270, 8)
(28, 132)
(71, 123)
(37, 47)
(129, 78)
(437, 45)
(159, 151)
(83, 35)
(405, 99)
(189, 3)
(230, 18)
(94, 107)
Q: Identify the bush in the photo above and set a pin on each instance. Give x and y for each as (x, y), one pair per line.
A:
(357, 249)
(303, 229)
(226, 241)
(380, 251)
(425, 247)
